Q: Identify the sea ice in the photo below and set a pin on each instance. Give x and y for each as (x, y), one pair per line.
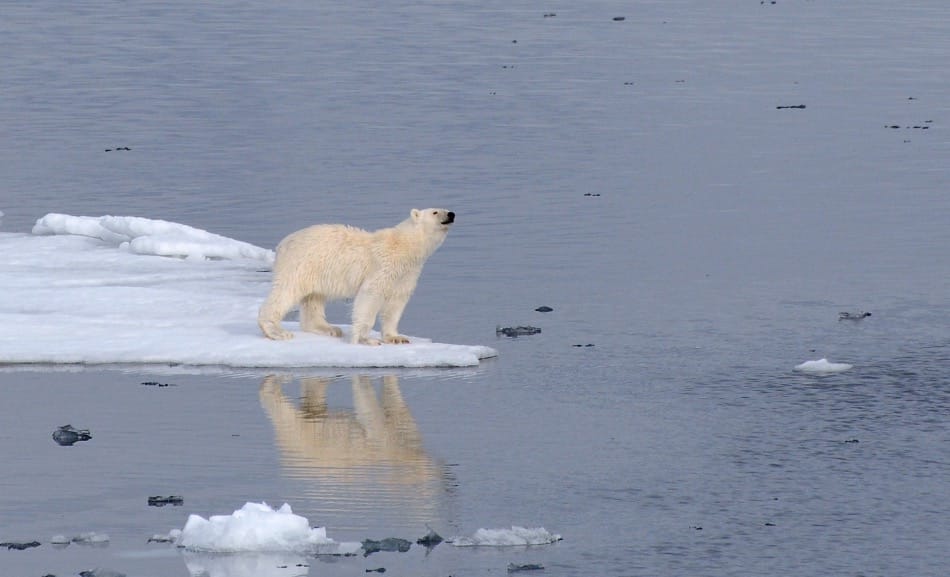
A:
(507, 537)
(822, 366)
(256, 527)
(91, 290)
(152, 237)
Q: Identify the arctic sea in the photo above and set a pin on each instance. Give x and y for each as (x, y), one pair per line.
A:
(697, 189)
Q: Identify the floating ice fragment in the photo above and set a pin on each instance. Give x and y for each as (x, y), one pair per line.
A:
(430, 539)
(853, 316)
(515, 568)
(92, 538)
(516, 536)
(100, 572)
(822, 366)
(392, 544)
(258, 528)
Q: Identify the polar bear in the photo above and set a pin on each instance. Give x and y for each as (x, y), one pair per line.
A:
(379, 270)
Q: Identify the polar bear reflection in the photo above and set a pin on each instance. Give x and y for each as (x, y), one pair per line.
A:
(367, 462)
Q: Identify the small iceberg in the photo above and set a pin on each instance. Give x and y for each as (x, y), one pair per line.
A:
(513, 537)
(822, 367)
(258, 528)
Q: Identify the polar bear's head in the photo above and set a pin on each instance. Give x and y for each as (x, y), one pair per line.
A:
(433, 218)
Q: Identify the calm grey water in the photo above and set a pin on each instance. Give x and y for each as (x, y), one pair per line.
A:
(721, 238)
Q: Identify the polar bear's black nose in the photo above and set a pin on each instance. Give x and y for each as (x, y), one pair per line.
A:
(450, 217)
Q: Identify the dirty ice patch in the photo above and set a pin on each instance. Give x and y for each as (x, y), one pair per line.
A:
(152, 237)
(822, 367)
(257, 528)
(80, 298)
(513, 537)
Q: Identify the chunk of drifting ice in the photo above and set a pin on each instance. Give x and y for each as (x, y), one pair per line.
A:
(516, 536)
(92, 538)
(822, 366)
(256, 527)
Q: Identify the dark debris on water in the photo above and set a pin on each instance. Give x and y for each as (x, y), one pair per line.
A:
(159, 501)
(518, 331)
(67, 435)
(20, 546)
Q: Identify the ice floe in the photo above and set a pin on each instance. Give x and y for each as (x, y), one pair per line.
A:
(97, 291)
(258, 528)
(822, 367)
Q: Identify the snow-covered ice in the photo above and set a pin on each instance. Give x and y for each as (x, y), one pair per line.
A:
(822, 366)
(256, 528)
(151, 237)
(100, 290)
(513, 537)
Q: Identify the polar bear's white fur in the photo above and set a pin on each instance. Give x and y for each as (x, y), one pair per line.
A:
(334, 261)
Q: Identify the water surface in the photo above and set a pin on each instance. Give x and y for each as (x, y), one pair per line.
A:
(720, 239)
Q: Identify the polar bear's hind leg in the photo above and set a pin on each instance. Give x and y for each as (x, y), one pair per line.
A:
(313, 317)
(277, 305)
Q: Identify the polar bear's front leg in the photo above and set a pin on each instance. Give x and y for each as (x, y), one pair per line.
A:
(365, 308)
(389, 321)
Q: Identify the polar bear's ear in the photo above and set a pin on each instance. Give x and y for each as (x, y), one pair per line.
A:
(415, 213)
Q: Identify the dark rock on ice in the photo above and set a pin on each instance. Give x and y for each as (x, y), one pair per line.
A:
(514, 568)
(544, 309)
(173, 500)
(20, 546)
(619, 18)
(797, 106)
(68, 435)
(430, 540)
(516, 331)
(388, 544)
(845, 316)
(377, 570)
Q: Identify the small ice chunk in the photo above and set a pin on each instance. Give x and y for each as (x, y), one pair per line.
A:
(91, 538)
(515, 536)
(822, 367)
(60, 540)
(170, 537)
(256, 527)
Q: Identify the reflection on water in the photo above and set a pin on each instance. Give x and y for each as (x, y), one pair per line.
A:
(366, 463)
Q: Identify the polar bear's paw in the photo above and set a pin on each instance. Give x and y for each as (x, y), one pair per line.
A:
(325, 329)
(279, 335)
(396, 340)
(369, 341)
